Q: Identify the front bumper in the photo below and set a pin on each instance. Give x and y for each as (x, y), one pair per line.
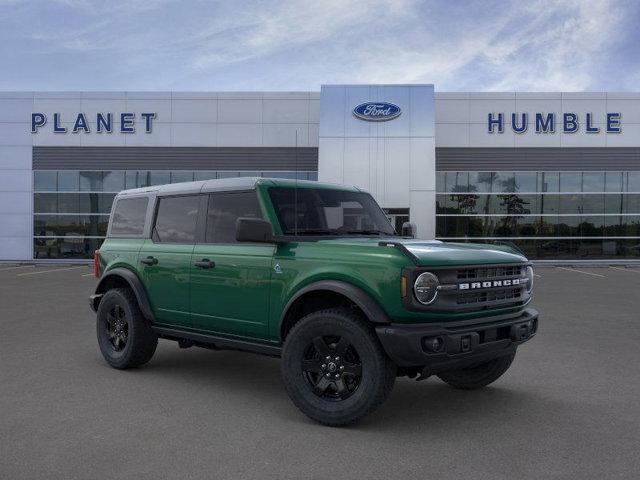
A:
(458, 344)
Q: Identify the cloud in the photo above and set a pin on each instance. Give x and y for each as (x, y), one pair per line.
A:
(291, 44)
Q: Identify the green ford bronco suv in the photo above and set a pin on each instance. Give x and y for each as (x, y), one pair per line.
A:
(313, 273)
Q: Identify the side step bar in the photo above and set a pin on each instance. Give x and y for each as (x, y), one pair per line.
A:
(217, 342)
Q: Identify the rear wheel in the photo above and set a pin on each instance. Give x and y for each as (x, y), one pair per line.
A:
(334, 368)
(478, 376)
(125, 337)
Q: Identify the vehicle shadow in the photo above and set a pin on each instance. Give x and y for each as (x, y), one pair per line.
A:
(412, 406)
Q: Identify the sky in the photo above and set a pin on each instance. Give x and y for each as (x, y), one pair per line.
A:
(283, 45)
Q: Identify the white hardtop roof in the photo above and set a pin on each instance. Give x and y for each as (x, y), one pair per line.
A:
(222, 184)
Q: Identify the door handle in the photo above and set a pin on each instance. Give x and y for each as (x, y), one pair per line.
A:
(205, 263)
(149, 261)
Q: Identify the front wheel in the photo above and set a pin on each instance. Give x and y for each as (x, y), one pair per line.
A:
(334, 368)
(478, 376)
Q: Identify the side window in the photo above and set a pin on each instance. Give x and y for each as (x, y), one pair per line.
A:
(176, 219)
(128, 216)
(224, 209)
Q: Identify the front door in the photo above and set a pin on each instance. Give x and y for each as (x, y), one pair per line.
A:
(230, 281)
(165, 259)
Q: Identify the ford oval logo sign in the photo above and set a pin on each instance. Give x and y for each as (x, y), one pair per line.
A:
(377, 111)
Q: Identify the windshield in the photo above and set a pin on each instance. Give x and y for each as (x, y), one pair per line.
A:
(328, 212)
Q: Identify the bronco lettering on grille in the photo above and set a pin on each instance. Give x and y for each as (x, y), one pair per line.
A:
(489, 284)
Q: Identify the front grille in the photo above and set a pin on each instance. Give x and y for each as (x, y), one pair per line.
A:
(481, 273)
(473, 288)
(469, 298)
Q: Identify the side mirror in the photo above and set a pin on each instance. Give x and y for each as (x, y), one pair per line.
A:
(408, 230)
(253, 230)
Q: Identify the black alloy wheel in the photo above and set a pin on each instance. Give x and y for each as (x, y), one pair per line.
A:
(117, 327)
(126, 339)
(332, 367)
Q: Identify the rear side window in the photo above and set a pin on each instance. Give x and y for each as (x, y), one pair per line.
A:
(128, 217)
(176, 219)
(224, 209)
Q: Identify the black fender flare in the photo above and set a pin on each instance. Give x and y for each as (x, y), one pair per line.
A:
(362, 299)
(136, 286)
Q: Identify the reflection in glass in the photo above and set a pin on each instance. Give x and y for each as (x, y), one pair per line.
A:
(45, 181)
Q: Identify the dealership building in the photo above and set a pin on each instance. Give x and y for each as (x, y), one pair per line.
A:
(558, 174)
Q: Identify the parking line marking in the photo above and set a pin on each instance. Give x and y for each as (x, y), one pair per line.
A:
(536, 275)
(88, 275)
(49, 271)
(580, 271)
(14, 268)
(626, 269)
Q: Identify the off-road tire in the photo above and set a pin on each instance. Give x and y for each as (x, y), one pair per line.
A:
(141, 340)
(377, 371)
(478, 376)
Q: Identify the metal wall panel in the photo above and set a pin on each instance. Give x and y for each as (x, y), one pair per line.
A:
(537, 159)
(175, 158)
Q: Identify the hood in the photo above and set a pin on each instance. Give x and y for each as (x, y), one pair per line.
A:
(434, 252)
(437, 253)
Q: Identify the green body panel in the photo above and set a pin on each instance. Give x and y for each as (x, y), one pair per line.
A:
(168, 282)
(232, 297)
(247, 291)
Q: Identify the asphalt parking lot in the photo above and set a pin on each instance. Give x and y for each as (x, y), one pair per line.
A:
(568, 408)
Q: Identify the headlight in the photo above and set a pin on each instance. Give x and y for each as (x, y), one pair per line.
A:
(529, 275)
(426, 288)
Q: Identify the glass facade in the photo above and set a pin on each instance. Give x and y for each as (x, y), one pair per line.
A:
(548, 215)
(71, 208)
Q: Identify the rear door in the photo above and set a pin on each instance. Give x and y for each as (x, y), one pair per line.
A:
(165, 258)
(230, 281)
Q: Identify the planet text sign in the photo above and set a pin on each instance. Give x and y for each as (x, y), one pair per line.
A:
(99, 123)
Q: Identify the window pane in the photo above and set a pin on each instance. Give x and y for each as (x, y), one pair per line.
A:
(205, 175)
(569, 226)
(593, 182)
(613, 203)
(89, 203)
(592, 203)
(68, 181)
(114, 181)
(592, 226)
(131, 180)
(177, 177)
(129, 216)
(504, 182)
(69, 202)
(631, 203)
(313, 176)
(526, 182)
(549, 203)
(633, 182)
(440, 182)
(91, 181)
(570, 203)
(229, 174)
(224, 209)
(159, 178)
(571, 182)
(549, 182)
(613, 182)
(68, 247)
(548, 226)
(45, 181)
(457, 181)
(480, 181)
(45, 203)
(176, 220)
